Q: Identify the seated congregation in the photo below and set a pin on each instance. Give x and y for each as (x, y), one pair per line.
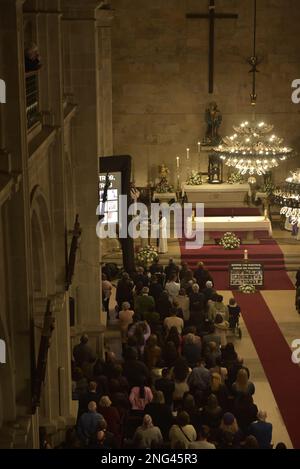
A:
(180, 383)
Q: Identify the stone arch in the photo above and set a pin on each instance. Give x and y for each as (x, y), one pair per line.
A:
(42, 247)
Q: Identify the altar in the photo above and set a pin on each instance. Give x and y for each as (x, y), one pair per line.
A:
(218, 195)
(220, 225)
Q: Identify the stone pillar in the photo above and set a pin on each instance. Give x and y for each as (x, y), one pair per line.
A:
(16, 211)
(104, 22)
(81, 26)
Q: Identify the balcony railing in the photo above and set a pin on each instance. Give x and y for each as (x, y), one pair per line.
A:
(32, 99)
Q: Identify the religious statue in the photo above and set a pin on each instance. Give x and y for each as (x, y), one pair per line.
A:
(213, 119)
(163, 186)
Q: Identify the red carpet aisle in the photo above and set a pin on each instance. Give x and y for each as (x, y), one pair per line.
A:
(217, 260)
(275, 356)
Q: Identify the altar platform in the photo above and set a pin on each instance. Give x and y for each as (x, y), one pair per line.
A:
(218, 195)
(217, 226)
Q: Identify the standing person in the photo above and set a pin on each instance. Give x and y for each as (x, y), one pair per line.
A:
(201, 442)
(147, 435)
(173, 288)
(140, 396)
(163, 235)
(106, 294)
(182, 431)
(183, 302)
(202, 275)
(144, 302)
(166, 385)
(171, 269)
(174, 321)
(234, 313)
(155, 289)
(262, 430)
(124, 290)
(221, 328)
(88, 423)
(125, 319)
(83, 353)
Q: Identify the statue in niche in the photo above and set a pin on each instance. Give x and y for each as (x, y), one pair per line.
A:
(213, 119)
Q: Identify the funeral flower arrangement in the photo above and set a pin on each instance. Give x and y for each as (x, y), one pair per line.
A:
(163, 186)
(146, 256)
(195, 179)
(247, 289)
(236, 178)
(230, 241)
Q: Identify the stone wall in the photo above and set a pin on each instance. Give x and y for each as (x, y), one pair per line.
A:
(160, 76)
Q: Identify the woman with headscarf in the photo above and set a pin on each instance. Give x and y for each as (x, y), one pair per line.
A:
(147, 435)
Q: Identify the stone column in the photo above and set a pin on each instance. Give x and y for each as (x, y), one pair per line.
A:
(104, 23)
(81, 26)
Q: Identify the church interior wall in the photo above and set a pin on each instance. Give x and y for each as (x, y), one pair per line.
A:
(160, 77)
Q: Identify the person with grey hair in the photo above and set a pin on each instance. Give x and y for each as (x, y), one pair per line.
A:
(144, 303)
(262, 430)
(197, 299)
(88, 423)
(147, 434)
(209, 291)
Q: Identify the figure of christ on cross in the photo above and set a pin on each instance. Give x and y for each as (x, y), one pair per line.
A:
(211, 16)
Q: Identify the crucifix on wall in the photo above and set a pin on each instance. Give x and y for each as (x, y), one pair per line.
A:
(211, 16)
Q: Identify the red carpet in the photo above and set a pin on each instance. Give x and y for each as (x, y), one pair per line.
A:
(275, 356)
(273, 280)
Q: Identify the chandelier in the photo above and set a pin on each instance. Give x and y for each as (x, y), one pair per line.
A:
(288, 197)
(253, 148)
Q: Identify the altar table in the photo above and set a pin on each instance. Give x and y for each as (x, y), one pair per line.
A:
(249, 225)
(218, 195)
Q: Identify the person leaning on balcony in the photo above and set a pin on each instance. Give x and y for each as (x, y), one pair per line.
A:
(32, 58)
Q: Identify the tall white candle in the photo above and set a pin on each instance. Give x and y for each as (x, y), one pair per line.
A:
(246, 255)
(188, 154)
(199, 147)
(177, 160)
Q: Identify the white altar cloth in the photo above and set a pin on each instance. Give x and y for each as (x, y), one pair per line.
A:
(218, 195)
(235, 224)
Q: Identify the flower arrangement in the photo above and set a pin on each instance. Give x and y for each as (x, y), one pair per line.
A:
(195, 179)
(146, 256)
(235, 178)
(247, 289)
(163, 186)
(230, 241)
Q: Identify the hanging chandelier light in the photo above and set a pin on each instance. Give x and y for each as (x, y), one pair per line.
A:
(253, 148)
(288, 197)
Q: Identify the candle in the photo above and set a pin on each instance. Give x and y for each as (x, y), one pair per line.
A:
(246, 255)
(177, 160)
(199, 147)
(266, 214)
(188, 154)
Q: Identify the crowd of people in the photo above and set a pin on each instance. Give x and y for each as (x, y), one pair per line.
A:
(180, 383)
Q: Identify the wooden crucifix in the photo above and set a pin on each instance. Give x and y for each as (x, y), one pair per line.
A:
(211, 16)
